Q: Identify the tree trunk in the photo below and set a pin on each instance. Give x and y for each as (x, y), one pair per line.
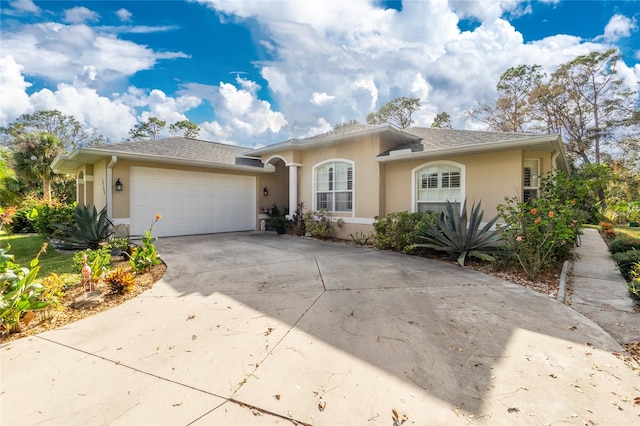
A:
(46, 187)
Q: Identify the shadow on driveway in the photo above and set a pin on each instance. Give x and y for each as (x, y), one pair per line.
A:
(328, 333)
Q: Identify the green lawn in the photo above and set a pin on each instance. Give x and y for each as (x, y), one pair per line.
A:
(26, 246)
(625, 230)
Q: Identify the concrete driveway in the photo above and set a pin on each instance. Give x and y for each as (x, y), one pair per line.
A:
(255, 328)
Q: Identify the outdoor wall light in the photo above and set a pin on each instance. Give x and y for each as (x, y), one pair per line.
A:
(118, 185)
(265, 191)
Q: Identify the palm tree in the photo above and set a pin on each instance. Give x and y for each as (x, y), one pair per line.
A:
(33, 155)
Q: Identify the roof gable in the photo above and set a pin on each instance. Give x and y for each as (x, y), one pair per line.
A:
(340, 135)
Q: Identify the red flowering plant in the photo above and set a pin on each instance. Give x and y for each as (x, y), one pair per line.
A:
(537, 233)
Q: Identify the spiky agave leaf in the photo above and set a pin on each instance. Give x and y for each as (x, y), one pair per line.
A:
(460, 235)
(91, 228)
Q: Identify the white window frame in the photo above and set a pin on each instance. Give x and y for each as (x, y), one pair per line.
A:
(415, 176)
(533, 178)
(334, 191)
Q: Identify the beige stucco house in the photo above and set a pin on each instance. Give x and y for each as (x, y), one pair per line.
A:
(356, 173)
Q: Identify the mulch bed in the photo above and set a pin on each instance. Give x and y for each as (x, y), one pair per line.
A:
(50, 319)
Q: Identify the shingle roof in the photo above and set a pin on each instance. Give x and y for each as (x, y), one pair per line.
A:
(439, 139)
(342, 133)
(179, 148)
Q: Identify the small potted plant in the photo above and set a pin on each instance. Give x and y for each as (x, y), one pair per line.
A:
(118, 245)
(278, 223)
(277, 220)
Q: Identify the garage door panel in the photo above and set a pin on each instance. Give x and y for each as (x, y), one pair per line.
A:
(191, 202)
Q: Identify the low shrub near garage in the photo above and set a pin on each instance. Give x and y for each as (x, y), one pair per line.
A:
(98, 260)
(400, 231)
(145, 255)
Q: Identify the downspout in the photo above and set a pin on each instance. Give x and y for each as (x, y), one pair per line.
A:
(114, 160)
(554, 162)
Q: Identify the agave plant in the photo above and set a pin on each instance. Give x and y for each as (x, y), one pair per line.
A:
(460, 236)
(91, 228)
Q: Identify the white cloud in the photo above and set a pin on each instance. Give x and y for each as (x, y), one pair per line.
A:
(14, 100)
(321, 126)
(61, 53)
(246, 113)
(25, 6)
(168, 108)
(124, 15)
(80, 15)
(324, 63)
(619, 26)
(136, 29)
(365, 56)
(248, 85)
(212, 130)
(321, 98)
(112, 116)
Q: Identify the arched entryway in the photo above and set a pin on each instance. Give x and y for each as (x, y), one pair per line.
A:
(274, 187)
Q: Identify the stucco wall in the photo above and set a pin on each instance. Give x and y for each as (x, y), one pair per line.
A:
(100, 184)
(277, 183)
(489, 178)
(366, 174)
(120, 200)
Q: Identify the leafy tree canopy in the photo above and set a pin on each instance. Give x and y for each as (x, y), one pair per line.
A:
(442, 121)
(66, 128)
(149, 129)
(397, 112)
(185, 128)
(584, 100)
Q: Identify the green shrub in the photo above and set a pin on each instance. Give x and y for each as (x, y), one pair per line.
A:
(626, 261)
(538, 233)
(400, 231)
(623, 243)
(42, 217)
(460, 236)
(53, 292)
(50, 215)
(318, 224)
(145, 256)
(21, 222)
(19, 293)
(360, 238)
(98, 260)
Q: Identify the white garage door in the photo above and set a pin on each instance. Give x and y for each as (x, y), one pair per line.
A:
(191, 202)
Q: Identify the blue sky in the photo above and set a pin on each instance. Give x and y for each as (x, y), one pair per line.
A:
(258, 72)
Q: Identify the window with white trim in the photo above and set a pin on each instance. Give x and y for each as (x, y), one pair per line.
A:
(436, 184)
(531, 179)
(334, 186)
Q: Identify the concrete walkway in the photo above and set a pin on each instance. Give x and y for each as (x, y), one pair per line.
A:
(600, 292)
(255, 328)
